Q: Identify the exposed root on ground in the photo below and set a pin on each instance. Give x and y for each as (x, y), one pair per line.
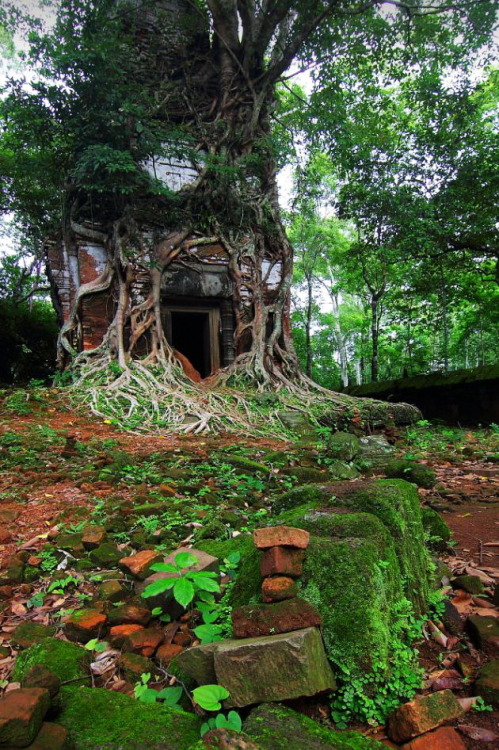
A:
(158, 396)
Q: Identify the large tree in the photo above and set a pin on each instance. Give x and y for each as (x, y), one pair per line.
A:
(121, 81)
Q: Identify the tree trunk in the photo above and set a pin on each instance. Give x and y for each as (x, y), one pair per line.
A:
(308, 326)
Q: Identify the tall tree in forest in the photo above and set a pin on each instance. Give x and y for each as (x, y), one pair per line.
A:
(124, 82)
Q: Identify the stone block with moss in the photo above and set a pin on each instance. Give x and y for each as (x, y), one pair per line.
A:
(309, 494)
(275, 727)
(119, 721)
(343, 446)
(410, 470)
(438, 534)
(66, 660)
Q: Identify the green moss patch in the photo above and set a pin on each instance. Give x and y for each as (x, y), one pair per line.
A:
(66, 660)
(274, 727)
(99, 719)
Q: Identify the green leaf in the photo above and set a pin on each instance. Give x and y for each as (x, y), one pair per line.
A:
(171, 695)
(90, 645)
(164, 568)
(209, 696)
(207, 584)
(234, 721)
(185, 560)
(158, 587)
(183, 591)
(208, 633)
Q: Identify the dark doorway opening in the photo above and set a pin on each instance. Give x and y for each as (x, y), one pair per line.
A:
(195, 333)
(191, 336)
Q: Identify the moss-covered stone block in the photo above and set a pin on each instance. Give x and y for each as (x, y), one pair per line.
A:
(343, 446)
(395, 503)
(438, 534)
(339, 470)
(118, 721)
(487, 684)
(66, 660)
(305, 474)
(410, 470)
(471, 584)
(310, 494)
(105, 556)
(28, 633)
(243, 465)
(275, 727)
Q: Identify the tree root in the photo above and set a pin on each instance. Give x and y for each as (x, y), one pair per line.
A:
(159, 397)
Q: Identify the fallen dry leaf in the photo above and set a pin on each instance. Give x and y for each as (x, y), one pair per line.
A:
(18, 609)
(485, 612)
(477, 733)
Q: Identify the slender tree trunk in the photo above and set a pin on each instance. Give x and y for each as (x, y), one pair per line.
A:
(308, 327)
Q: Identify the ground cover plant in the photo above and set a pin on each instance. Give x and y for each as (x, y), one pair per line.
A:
(156, 494)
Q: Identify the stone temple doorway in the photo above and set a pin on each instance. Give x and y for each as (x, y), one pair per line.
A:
(195, 333)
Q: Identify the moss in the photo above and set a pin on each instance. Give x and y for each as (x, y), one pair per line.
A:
(277, 728)
(243, 465)
(309, 494)
(343, 446)
(437, 532)
(403, 468)
(66, 660)
(396, 503)
(247, 584)
(343, 579)
(305, 474)
(118, 721)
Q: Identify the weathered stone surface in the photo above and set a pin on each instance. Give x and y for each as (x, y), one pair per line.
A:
(50, 737)
(205, 562)
(85, 624)
(445, 738)
(484, 632)
(487, 684)
(28, 633)
(275, 727)
(143, 642)
(278, 588)
(12, 570)
(375, 449)
(8, 515)
(106, 555)
(67, 660)
(40, 676)
(93, 536)
(451, 619)
(139, 565)
(21, 715)
(133, 665)
(130, 614)
(112, 591)
(423, 714)
(119, 633)
(225, 739)
(198, 663)
(5, 535)
(167, 652)
(280, 536)
(280, 667)
(471, 584)
(343, 445)
(287, 561)
(257, 620)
